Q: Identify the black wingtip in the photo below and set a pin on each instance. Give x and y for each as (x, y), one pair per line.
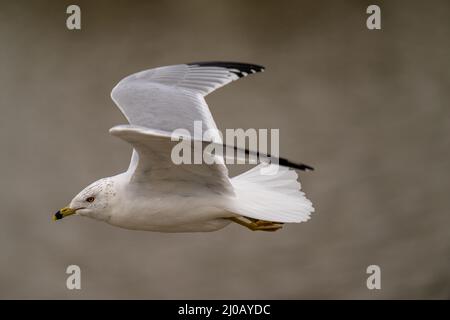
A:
(305, 167)
(298, 166)
(239, 68)
(280, 161)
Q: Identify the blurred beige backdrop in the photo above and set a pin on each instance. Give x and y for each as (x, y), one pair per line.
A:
(368, 109)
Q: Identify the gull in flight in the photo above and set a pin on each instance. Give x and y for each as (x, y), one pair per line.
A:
(155, 194)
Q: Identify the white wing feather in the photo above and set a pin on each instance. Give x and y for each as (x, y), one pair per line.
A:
(156, 167)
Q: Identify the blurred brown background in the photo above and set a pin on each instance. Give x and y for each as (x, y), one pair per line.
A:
(368, 109)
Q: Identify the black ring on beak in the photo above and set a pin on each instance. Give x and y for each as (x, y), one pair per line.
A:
(58, 215)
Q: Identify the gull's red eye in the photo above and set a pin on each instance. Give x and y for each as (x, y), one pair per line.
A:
(90, 199)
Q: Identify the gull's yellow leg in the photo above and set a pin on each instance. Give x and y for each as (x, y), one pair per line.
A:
(257, 225)
(263, 222)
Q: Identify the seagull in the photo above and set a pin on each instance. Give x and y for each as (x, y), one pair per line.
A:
(155, 194)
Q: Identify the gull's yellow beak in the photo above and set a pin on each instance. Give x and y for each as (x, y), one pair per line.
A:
(64, 212)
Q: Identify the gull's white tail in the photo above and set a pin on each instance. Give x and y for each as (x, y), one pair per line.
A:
(272, 197)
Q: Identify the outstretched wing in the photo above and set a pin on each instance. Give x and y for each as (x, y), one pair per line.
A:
(156, 166)
(169, 98)
(172, 97)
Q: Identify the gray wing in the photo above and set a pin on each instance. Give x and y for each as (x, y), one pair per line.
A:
(155, 165)
(172, 97)
(169, 98)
